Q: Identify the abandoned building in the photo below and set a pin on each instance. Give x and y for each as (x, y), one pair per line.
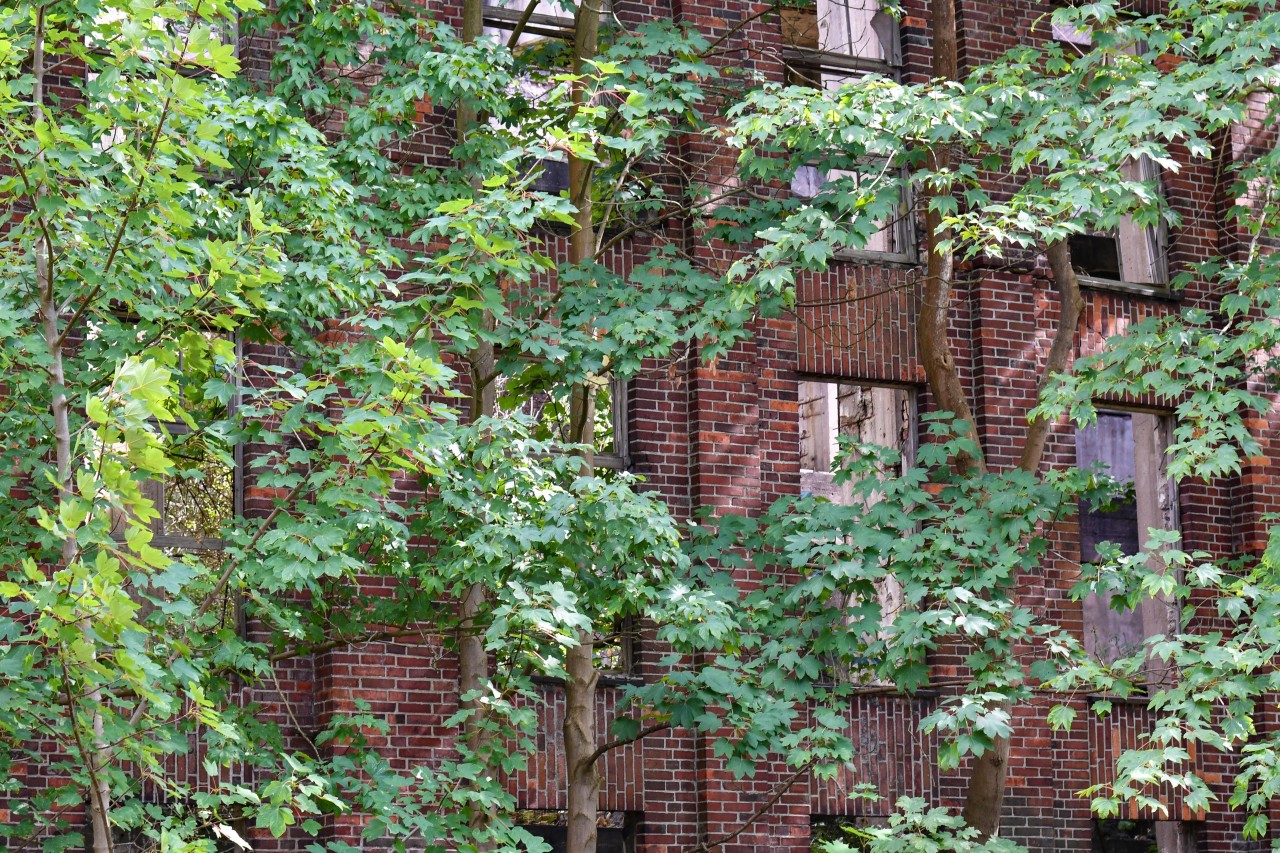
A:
(763, 423)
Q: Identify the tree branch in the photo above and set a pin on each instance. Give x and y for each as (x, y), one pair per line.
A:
(783, 787)
(1071, 304)
(619, 742)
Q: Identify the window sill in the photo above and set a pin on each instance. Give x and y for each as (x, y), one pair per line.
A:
(608, 678)
(832, 62)
(1154, 291)
(547, 26)
(860, 256)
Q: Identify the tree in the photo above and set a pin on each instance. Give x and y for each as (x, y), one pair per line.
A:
(1019, 118)
(200, 262)
(198, 267)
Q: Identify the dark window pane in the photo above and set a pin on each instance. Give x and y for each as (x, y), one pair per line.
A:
(553, 177)
(1095, 255)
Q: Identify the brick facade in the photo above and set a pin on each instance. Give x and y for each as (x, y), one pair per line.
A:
(725, 436)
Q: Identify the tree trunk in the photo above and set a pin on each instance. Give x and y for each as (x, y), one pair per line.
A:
(580, 738)
(984, 799)
(1070, 305)
(99, 790)
(473, 658)
(580, 735)
(932, 338)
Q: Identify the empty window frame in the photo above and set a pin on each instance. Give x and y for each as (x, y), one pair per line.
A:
(1130, 253)
(830, 42)
(893, 239)
(872, 414)
(615, 648)
(1143, 836)
(225, 836)
(615, 831)
(826, 45)
(542, 19)
(1130, 448)
(549, 409)
(824, 829)
(552, 171)
(195, 502)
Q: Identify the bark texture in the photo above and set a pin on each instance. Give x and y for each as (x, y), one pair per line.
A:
(580, 735)
(580, 738)
(932, 338)
(95, 753)
(473, 658)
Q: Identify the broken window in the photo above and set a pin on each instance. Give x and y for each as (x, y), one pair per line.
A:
(615, 831)
(824, 829)
(892, 236)
(869, 414)
(189, 823)
(827, 43)
(1131, 253)
(1128, 447)
(549, 409)
(614, 651)
(202, 494)
(542, 19)
(1143, 836)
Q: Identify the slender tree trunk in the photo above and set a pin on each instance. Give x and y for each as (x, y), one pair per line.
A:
(99, 790)
(984, 798)
(984, 801)
(932, 337)
(474, 673)
(580, 735)
(1070, 306)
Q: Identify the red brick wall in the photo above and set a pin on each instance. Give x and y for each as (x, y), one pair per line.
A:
(724, 436)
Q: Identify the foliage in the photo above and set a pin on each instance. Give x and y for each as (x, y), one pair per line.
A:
(201, 260)
(1020, 119)
(915, 828)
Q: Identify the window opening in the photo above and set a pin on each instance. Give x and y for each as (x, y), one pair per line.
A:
(1130, 448)
(890, 238)
(615, 831)
(871, 414)
(550, 19)
(614, 652)
(1143, 836)
(827, 43)
(202, 494)
(549, 409)
(1130, 252)
(824, 829)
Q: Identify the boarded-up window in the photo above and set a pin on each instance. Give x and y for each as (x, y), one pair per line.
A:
(1130, 448)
